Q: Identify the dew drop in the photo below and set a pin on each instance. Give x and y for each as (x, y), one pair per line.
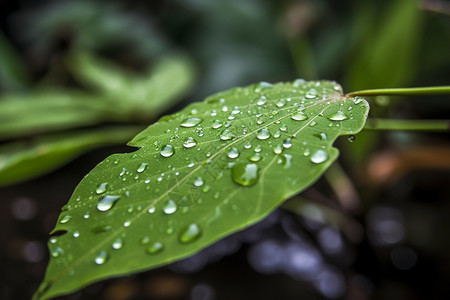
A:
(306, 152)
(338, 116)
(277, 134)
(190, 233)
(255, 157)
(322, 136)
(319, 157)
(245, 174)
(142, 167)
(117, 244)
(312, 124)
(226, 135)
(217, 124)
(76, 234)
(299, 116)
(167, 150)
(57, 252)
(198, 181)
(257, 148)
(247, 145)
(190, 122)
(233, 153)
(281, 103)
(107, 202)
(283, 127)
(101, 257)
(263, 134)
(155, 248)
(189, 142)
(66, 219)
(261, 101)
(86, 215)
(170, 207)
(287, 143)
(151, 210)
(278, 149)
(288, 159)
(101, 188)
(351, 138)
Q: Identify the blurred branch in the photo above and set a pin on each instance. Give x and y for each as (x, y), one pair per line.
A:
(415, 125)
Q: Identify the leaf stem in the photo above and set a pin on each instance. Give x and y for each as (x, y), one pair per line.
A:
(433, 90)
(392, 124)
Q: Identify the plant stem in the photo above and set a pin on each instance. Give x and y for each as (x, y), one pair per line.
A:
(434, 90)
(392, 124)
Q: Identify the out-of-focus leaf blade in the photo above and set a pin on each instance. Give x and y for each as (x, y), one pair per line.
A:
(148, 94)
(26, 114)
(210, 170)
(13, 73)
(21, 161)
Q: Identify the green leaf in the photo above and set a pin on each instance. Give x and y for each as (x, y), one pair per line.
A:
(147, 94)
(20, 161)
(201, 174)
(26, 114)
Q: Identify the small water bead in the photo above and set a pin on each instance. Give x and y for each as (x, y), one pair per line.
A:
(170, 230)
(261, 101)
(247, 145)
(288, 159)
(262, 86)
(255, 157)
(101, 188)
(167, 151)
(217, 124)
(283, 127)
(310, 96)
(287, 143)
(306, 152)
(76, 234)
(198, 181)
(170, 207)
(312, 124)
(65, 219)
(319, 157)
(101, 257)
(257, 148)
(190, 233)
(263, 134)
(127, 223)
(233, 153)
(142, 167)
(155, 248)
(245, 174)
(278, 149)
(281, 103)
(105, 203)
(189, 142)
(227, 124)
(351, 138)
(86, 215)
(117, 244)
(226, 135)
(123, 172)
(299, 116)
(338, 116)
(277, 134)
(322, 136)
(57, 252)
(190, 122)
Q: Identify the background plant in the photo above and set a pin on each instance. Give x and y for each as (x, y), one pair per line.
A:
(224, 39)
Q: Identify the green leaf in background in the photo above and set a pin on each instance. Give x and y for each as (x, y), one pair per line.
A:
(210, 170)
(147, 94)
(27, 114)
(23, 160)
(13, 73)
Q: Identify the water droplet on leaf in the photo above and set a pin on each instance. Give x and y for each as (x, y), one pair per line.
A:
(217, 124)
(245, 174)
(319, 157)
(117, 244)
(190, 233)
(233, 153)
(107, 202)
(190, 122)
(142, 167)
(167, 150)
(287, 143)
(101, 188)
(189, 142)
(299, 116)
(101, 257)
(170, 207)
(226, 135)
(65, 219)
(338, 116)
(155, 248)
(263, 134)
